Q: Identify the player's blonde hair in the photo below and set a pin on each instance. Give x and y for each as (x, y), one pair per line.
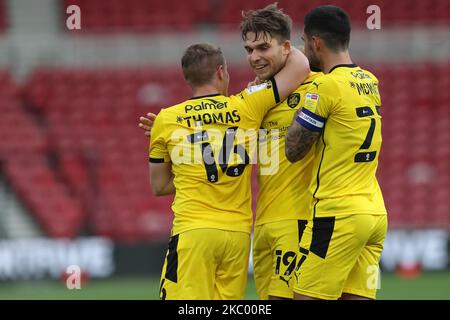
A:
(200, 61)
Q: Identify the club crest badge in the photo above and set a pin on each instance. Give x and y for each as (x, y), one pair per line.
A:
(293, 100)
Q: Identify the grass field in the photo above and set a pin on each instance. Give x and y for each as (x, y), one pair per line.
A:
(434, 286)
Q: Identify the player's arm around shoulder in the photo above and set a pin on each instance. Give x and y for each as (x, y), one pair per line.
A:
(260, 98)
(293, 74)
(308, 122)
(299, 139)
(160, 166)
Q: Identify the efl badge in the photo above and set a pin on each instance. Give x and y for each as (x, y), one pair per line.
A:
(311, 100)
(256, 88)
(293, 100)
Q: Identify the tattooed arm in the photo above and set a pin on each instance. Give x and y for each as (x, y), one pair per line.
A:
(299, 140)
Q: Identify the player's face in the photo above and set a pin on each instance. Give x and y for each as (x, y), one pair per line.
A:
(310, 53)
(266, 55)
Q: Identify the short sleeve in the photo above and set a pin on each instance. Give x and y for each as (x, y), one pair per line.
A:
(261, 98)
(320, 99)
(158, 148)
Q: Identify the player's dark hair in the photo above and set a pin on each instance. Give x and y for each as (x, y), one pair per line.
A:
(270, 20)
(200, 61)
(330, 23)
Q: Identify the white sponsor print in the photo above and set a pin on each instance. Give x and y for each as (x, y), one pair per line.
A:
(427, 248)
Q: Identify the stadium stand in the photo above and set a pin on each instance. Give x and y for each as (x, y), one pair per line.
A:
(416, 148)
(3, 22)
(23, 150)
(142, 15)
(99, 177)
(71, 149)
(91, 118)
(139, 15)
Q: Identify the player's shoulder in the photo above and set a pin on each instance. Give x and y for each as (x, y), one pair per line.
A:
(308, 81)
(312, 76)
(370, 74)
(254, 89)
(324, 83)
(167, 113)
(184, 106)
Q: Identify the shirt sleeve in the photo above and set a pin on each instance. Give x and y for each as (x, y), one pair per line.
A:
(318, 105)
(158, 152)
(261, 98)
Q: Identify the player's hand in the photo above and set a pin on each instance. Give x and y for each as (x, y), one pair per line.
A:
(146, 123)
(254, 82)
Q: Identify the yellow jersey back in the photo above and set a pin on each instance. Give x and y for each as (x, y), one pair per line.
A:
(210, 142)
(345, 106)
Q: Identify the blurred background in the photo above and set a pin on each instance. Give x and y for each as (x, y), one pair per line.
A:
(73, 162)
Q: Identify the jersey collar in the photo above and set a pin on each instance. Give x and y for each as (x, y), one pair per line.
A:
(206, 96)
(349, 65)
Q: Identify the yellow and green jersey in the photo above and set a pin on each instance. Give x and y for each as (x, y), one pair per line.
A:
(283, 193)
(345, 106)
(210, 142)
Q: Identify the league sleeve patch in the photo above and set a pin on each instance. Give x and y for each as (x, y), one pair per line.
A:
(311, 100)
(310, 120)
(256, 88)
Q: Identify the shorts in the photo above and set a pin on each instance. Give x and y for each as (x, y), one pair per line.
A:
(206, 264)
(341, 255)
(275, 248)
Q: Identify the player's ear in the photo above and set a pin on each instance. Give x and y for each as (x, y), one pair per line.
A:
(286, 46)
(220, 72)
(317, 43)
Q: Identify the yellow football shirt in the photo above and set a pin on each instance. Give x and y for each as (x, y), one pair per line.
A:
(283, 186)
(345, 106)
(210, 141)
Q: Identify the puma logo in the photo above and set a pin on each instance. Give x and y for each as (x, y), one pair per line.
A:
(286, 281)
(317, 85)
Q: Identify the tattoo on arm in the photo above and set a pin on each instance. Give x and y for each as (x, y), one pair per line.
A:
(299, 141)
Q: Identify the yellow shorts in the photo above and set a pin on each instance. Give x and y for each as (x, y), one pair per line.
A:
(341, 255)
(275, 248)
(206, 264)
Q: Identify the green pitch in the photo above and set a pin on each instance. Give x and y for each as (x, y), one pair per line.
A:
(428, 286)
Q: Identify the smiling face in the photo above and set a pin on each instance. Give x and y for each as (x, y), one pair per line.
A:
(265, 54)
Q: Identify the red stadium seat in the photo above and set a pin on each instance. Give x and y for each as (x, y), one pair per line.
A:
(101, 155)
(149, 16)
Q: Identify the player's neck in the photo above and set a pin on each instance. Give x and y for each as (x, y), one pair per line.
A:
(205, 90)
(333, 59)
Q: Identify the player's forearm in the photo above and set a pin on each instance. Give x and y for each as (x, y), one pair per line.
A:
(293, 74)
(299, 64)
(168, 189)
(293, 149)
(298, 141)
(163, 188)
(161, 179)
